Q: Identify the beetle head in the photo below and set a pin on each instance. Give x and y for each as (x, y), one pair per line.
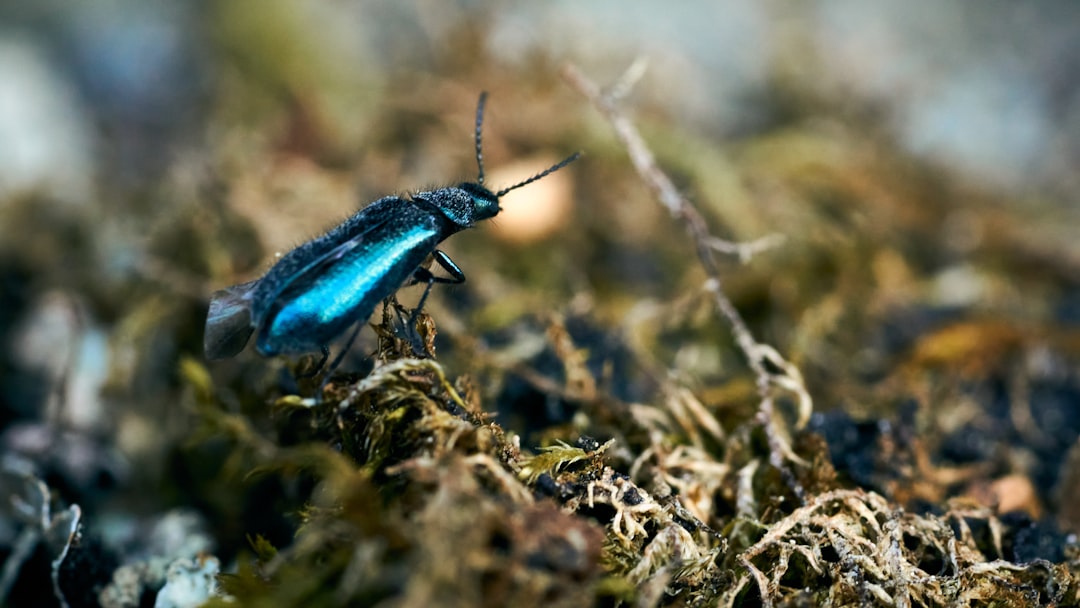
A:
(464, 204)
(485, 203)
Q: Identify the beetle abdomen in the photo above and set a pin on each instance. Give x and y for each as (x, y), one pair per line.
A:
(310, 314)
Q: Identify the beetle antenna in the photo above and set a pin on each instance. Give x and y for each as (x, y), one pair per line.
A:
(544, 173)
(479, 122)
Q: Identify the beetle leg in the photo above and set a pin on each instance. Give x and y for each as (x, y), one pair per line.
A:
(407, 327)
(456, 275)
(312, 373)
(337, 360)
(423, 275)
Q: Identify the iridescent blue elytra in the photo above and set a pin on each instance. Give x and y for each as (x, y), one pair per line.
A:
(314, 293)
(329, 304)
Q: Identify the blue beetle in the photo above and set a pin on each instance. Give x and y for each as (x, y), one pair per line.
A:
(314, 293)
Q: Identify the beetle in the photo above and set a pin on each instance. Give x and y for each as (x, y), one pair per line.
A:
(314, 293)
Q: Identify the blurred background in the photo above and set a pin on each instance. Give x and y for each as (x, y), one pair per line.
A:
(919, 157)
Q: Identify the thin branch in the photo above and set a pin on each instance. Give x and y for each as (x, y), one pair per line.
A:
(747, 250)
(770, 369)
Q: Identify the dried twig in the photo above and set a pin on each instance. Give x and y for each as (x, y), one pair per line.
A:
(29, 504)
(770, 369)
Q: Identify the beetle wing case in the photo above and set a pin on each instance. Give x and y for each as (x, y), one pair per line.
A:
(228, 323)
